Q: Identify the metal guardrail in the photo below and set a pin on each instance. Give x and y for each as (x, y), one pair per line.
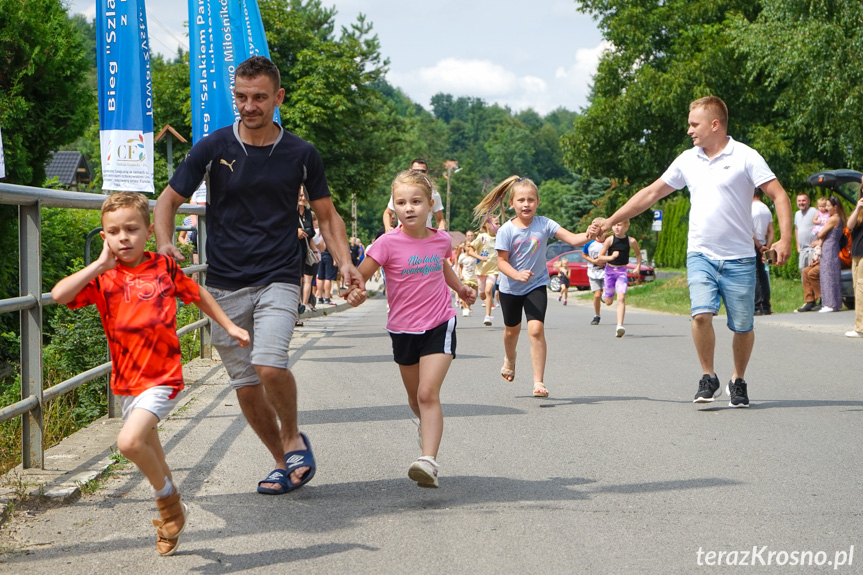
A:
(31, 300)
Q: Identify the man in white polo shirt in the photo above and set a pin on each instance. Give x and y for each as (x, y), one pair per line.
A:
(721, 175)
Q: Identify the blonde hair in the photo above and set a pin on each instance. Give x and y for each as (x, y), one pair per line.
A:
(415, 179)
(495, 202)
(132, 200)
(714, 106)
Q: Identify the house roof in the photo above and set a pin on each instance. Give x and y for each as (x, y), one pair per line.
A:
(67, 166)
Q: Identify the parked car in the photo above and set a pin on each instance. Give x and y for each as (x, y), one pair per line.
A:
(578, 271)
(554, 249)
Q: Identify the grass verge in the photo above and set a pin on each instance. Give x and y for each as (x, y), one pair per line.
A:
(672, 295)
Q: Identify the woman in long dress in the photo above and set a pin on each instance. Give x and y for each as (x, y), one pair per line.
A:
(830, 234)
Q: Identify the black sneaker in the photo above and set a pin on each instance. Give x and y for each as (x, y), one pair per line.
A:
(816, 308)
(758, 311)
(806, 307)
(708, 389)
(736, 390)
(595, 320)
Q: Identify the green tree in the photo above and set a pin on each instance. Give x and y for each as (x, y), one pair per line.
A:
(665, 55)
(809, 53)
(44, 102)
(331, 97)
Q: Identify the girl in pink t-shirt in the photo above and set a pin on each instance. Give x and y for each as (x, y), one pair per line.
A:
(421, 319)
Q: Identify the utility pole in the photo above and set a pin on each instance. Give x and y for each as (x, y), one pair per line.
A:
(353, 214)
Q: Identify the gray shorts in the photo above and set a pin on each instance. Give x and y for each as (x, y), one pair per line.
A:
(596, 285)
(158, 400)
(268, 313)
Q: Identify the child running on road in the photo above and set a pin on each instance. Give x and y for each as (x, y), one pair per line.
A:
(466, 266)
(520, 245)
(483, 250)
(135, 292)
(615, 252)
(562, 266)
(422, 319)
(595, 274)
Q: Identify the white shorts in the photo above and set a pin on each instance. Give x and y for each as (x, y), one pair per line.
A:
(159, 401)
(596, 284)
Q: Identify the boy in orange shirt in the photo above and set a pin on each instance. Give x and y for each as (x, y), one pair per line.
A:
(134, 291)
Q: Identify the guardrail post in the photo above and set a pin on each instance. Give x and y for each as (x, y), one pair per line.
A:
(30, 262)
(206, 333)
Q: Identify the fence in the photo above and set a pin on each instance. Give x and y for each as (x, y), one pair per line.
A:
(31, 300)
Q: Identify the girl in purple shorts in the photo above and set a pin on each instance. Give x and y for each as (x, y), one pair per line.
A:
(615, 252)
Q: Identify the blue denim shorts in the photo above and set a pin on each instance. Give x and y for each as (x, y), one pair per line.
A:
(732, 282)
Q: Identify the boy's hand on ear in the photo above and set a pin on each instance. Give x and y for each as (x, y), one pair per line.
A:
(107, 260)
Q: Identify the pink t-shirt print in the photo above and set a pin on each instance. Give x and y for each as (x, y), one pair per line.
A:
(416, 288)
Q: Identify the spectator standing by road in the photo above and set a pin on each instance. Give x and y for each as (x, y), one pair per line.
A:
(831, 266)
(762, 223)
(305, 233)
(803, 222)
(855, 224)
(720, 174)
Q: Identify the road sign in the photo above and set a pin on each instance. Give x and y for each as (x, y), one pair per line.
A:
(657, 226)
(657, 215)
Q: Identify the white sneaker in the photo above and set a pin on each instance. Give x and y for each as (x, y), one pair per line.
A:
(826, 309)
(424, 471)
(620, 331)
(853, 333)
(465, 313)
(487, 320)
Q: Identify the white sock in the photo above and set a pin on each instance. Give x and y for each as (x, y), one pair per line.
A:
(167, 490)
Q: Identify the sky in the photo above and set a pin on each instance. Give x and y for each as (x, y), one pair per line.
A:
(517, 53)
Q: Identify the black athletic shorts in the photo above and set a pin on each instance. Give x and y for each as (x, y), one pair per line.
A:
(408, 348)
(534, 303)
(310, 270)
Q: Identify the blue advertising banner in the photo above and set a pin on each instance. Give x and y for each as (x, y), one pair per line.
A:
(125, 95)
(222, 33)
(255, 37)
(214, 33)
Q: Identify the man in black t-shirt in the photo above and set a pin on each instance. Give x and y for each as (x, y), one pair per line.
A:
(254, 170)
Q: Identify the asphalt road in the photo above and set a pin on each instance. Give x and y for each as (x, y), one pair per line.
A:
(616, 472)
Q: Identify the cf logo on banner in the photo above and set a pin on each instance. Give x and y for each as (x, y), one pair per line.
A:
(131, 151)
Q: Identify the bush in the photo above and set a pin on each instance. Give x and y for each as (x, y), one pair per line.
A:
(671, 246)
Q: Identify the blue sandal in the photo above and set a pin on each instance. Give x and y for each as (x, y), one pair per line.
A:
(300, 458)
(279, 476)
